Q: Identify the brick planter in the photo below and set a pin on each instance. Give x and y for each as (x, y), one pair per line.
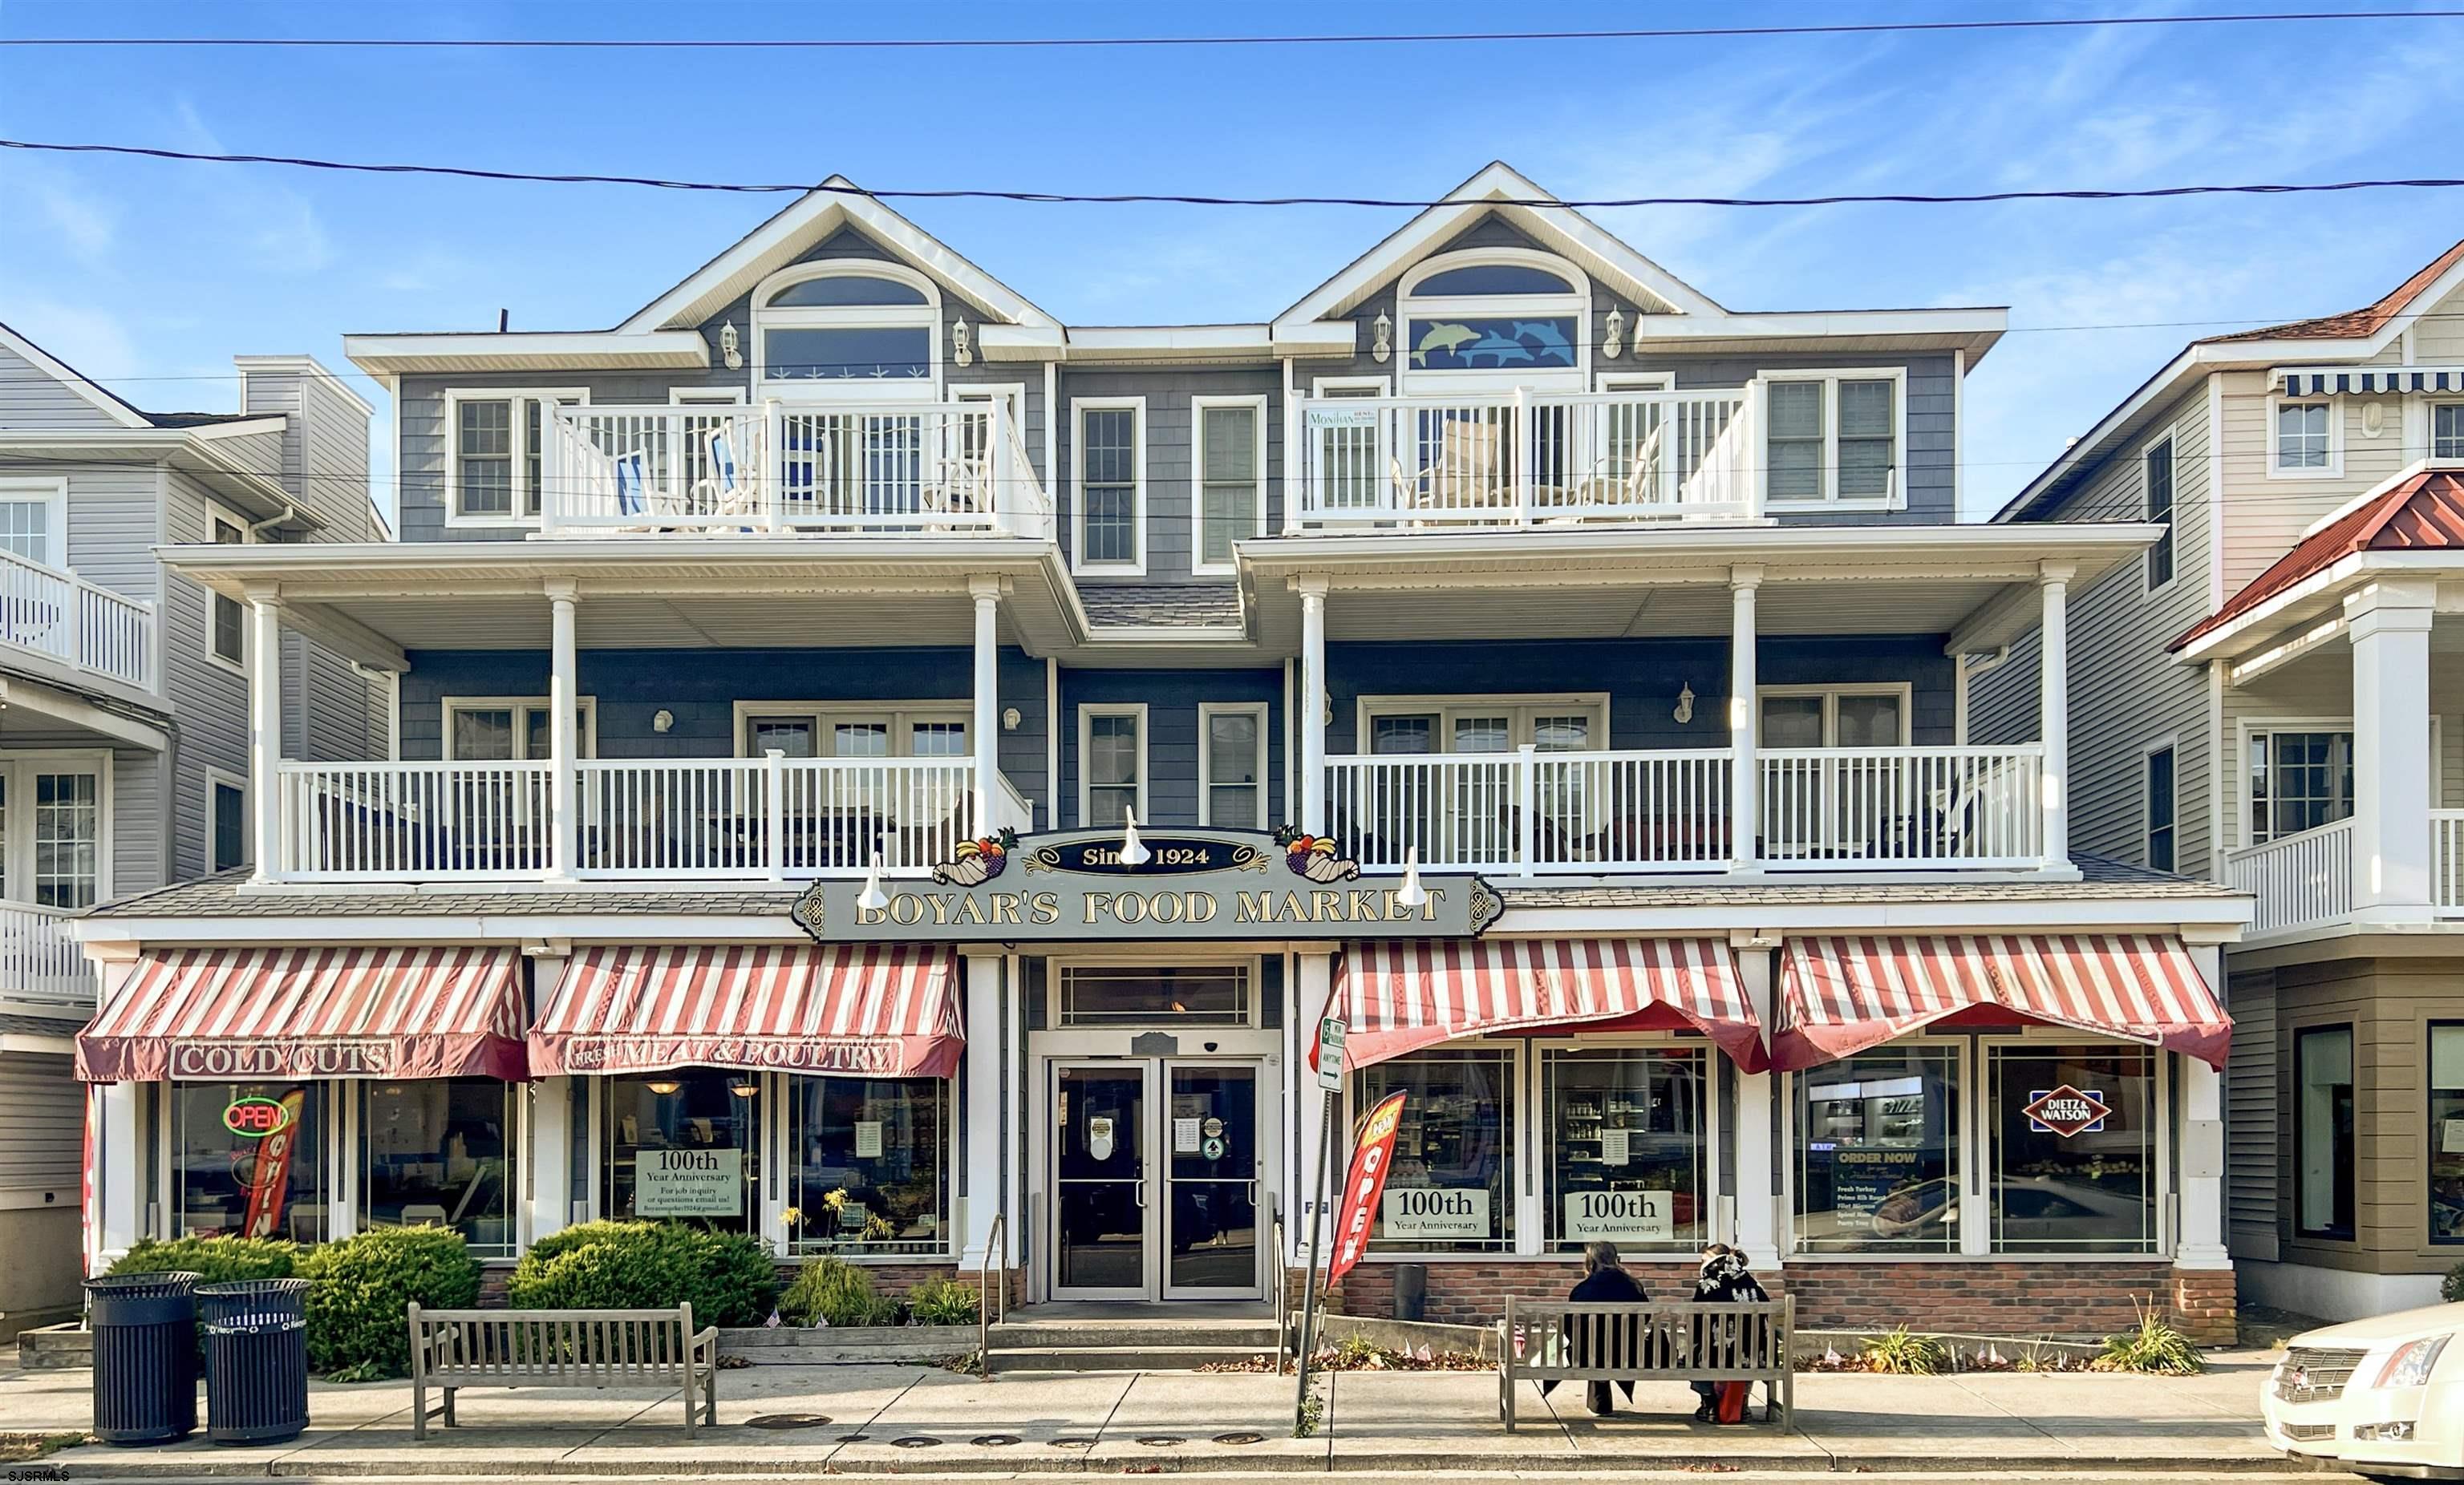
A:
(810, 1346)
(55, 1347)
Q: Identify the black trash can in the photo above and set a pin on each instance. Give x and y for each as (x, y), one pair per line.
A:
(1411, 1291)
(145, 1357)
(256, 1360)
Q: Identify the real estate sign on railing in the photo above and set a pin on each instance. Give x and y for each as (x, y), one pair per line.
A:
(1177, 883)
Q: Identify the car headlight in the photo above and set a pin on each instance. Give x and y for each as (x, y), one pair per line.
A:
(2411, 1364)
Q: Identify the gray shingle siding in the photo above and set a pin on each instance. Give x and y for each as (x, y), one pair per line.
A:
(1172, 699)
(1170, 431)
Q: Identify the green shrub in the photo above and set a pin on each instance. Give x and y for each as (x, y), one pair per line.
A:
(360, 1289)
(941, 1301)
(215, 1261)
(2152, 1345)
(2452, 1288)
(1903, 1353)
(831, 1291)
(728, 1278)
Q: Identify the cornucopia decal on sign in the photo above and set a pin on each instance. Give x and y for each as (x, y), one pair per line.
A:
(1315, 857)
(976, 862)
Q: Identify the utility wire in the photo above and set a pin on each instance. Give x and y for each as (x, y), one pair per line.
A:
(1060, 43)
(1175, 198)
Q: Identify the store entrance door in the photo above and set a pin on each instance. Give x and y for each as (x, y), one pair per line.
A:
(1155, 1169)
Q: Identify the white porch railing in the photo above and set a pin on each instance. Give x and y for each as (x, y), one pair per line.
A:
(870, 469)
(2307, 877)
(413, 821)
(1917, 807)
(1525, 458)
(1550, 812)
(2447, 861)
(38, 960)
(61, 615)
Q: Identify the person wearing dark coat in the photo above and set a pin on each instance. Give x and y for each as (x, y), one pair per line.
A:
(1605, 1282)
(1723, 1278)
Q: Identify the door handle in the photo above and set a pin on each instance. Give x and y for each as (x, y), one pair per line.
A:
(1253, 1192)
(1142, 1191)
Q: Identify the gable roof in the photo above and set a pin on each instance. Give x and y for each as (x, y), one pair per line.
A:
(104, 401)
(2422, 514)
(810, 220)
(2355, 324)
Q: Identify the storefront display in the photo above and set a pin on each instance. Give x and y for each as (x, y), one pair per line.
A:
(870, 1170)
(1452, 1185)
(441, 1151)
(248, 1160)
(2074, 1148)
(2446, 1145)
(1877, 1144)
(1628, 1146)
(683, 1146)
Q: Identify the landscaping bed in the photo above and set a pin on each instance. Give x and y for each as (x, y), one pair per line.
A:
(812, 1345)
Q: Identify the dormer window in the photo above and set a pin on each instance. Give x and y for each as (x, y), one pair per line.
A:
(848, 328)
(1511, 316)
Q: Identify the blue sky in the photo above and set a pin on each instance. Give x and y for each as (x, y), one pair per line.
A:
(149, 276)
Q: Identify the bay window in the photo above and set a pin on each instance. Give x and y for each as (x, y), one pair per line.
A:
(1452, 1185)
(869, 1165)
(1628, 1146)
(1878, 1151)
(1834, 436)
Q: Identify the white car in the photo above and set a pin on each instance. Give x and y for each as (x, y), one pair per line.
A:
(2381, 1397)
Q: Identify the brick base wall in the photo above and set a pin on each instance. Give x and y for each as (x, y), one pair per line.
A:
(1981, 1299)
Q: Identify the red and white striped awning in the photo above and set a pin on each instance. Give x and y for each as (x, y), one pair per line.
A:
(1401, 996)
(873, 1010)
(1840, 995)
(311, 1013)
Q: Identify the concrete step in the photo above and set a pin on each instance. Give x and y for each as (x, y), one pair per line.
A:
(1240, 1335)
(1122, 1358)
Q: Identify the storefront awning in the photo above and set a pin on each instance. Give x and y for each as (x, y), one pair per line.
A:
(1840, 995)
(311, 1013)
(872, 1010)
(1404, 995)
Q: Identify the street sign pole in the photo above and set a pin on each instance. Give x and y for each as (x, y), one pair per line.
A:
(1330, 1077)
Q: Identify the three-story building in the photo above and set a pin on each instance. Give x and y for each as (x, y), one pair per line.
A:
(884, 768)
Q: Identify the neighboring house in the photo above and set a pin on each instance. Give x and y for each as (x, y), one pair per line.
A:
(2267, 697)
(840, 557)
(123, 707)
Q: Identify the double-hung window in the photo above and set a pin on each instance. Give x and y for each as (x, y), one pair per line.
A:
(2159, 513)
(228, 639)
(2159, 780)
(1834, 437)
(33, 515)
(496, 464)
(1230, 464)
(1232, 765)
(1111, 763)
(227, 800)
(2304, 440)
(498, 728)
(1111, 483)
(2447, 430)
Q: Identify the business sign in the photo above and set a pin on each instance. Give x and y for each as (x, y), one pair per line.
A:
(1447, 1212)
(688, 1183)
(1316, 415)
(266, 1177)
(254, 1119)
(1372, 1155)
(1202, 884)
(1634, 1216)
(2066, 1111)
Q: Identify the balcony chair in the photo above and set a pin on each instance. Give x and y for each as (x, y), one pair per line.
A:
(722, 490)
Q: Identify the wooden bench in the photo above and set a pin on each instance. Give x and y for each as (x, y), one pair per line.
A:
(1630, 1342)
(593, 1348)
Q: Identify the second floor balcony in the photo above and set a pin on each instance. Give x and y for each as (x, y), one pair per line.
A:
(63, 617)
(40, 962)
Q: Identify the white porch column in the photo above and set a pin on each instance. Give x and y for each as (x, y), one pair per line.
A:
(1745, 770)
(1756, 1199)
(2199, 1243)
(2053, 708)
(1306, 1100)
(264, 653)
(2389, 625)
(1312, 592)
(982, 1130)
(563, 731)
(984, 730)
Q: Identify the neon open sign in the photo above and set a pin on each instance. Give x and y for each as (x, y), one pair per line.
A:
(254, 1119)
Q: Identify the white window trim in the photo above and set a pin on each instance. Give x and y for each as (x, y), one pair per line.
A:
(587, 741)
(2172, 519)
(19, 843)
(218, 512)
(2429, 433)
(1199, 407)
(2171, 742)
(1207, 712)
(218, 778)
(2335, 466)
(1972, 1201)
(1367, 708)
(1544, 1215)
(1576, 303)
(1188, 957)
(1831, 693)
(901, 715)
(454, 398)
(52, 490)
(850, 317)
(1984, 1127)
(1087, 711)
(1897, 498)
(1374, 386)
(2238, 769)
(1524, 1197)
(1637, 381)
(1079, 408)
(704, 397)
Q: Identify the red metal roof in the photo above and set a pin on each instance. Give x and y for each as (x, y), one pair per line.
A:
(2425, 514)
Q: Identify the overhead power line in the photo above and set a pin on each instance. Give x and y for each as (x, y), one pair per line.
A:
(1164, 198)
(1358, 39)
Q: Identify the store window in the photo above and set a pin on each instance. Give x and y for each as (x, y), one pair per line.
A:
(2447, 1132)
(247, 1159)
(683, 1146)
(871, 1167)
(1452, 1185)
(1207, 994)
(1877, 1152)
(1629, 1147)
(2323, 1132)
(2074, 1150)
(440, 1152)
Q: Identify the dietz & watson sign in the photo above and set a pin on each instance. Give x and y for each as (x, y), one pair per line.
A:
(1190, 885)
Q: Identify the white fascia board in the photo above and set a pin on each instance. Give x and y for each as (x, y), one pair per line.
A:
(1103, 343)
(554, 350)
(1317, 337)
(1979, 324)
(2255, 625)
(87, 391)
(1021, 342)
(307, 369)
(30, 1044)
(1722, 544)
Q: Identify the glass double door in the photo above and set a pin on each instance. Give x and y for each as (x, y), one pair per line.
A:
(1156, 1172)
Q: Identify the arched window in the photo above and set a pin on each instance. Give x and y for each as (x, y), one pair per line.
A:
(848, 328)
(1503, 313)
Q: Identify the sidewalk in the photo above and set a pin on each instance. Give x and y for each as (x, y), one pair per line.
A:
(913, 1420)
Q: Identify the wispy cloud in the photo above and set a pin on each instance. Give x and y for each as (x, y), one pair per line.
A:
(277, 225)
